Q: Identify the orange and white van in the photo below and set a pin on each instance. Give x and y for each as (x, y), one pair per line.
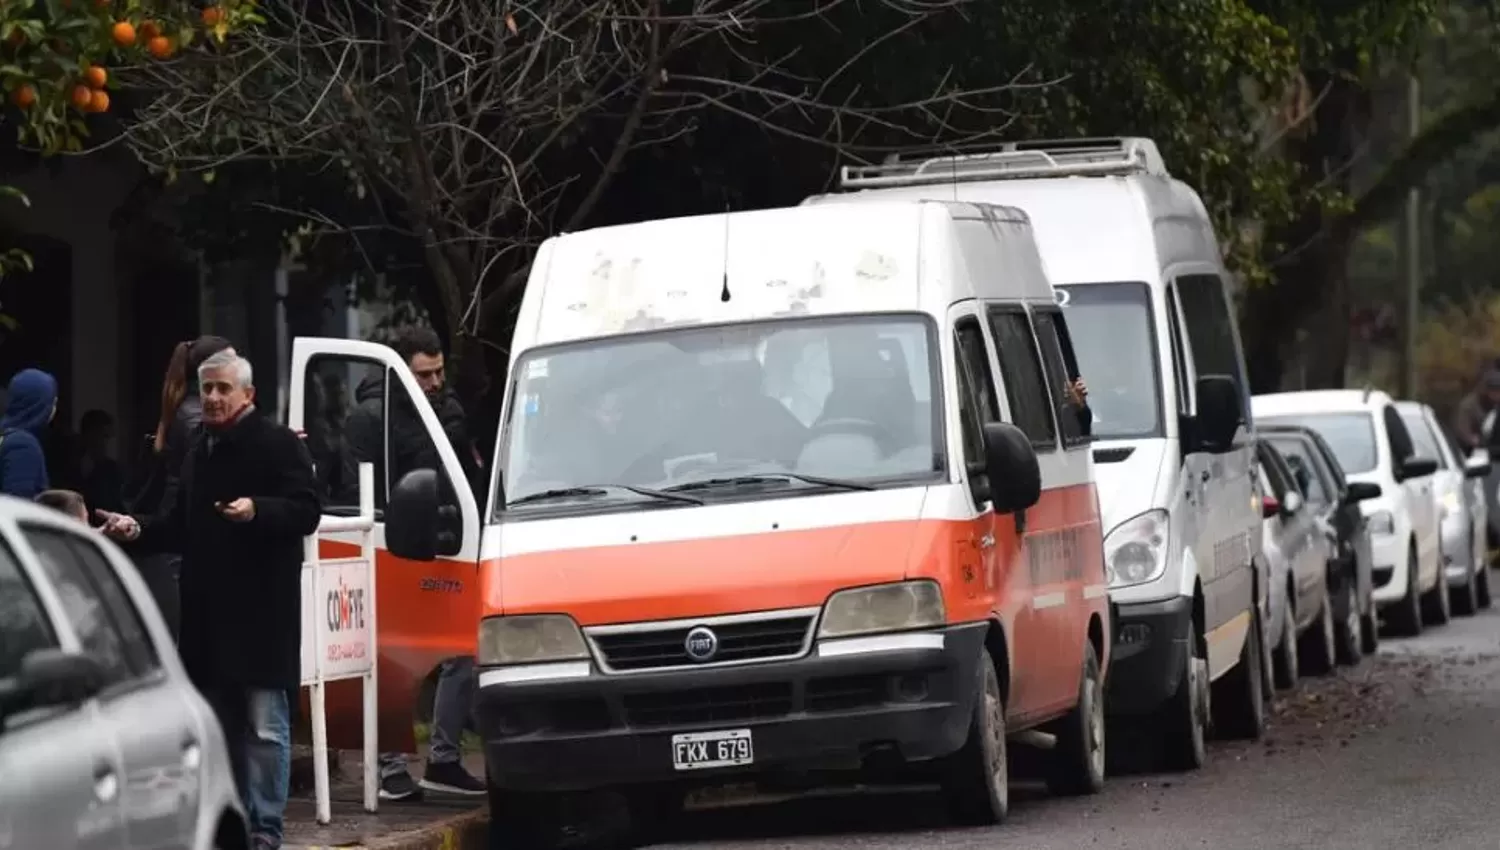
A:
(776, 492)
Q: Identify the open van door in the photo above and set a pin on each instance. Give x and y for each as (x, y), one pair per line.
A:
(356, 401)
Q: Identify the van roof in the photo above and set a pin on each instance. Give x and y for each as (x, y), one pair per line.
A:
(1316, 401)
(1103, 210)
(828, 259)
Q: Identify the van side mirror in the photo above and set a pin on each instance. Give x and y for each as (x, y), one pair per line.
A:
(1416, 466)
(1015, 476)
(51, 677)
(411, 516)
(1478, 468)
(1220, 412)
(1361, 491)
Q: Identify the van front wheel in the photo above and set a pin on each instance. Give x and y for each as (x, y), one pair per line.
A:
(1238, 699)
(1077, 763)
(1183, 722)
(976, 779)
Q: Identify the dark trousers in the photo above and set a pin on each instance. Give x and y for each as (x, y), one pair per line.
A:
(257, 725)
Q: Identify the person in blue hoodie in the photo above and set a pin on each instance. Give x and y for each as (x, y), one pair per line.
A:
(31, 403)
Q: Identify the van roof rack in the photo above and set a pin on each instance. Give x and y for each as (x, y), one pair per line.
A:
(1090, 157)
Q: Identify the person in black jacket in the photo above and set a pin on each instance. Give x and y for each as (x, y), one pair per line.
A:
(411, 448)
(246, 499)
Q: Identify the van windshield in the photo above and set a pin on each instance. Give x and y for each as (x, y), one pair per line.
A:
(1350, 435)
(744, 410)
(1114, 337)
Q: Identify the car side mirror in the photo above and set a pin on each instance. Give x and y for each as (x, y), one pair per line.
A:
(1417, 466)
(411, 516)
(52, 677)
(1013, 472)
(1362, 491)
(1478, 468)
(1220, 412)
(1269, 506)
(1291, 504)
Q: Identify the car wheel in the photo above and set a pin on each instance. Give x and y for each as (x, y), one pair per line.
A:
(1349, 630)
(1482, 587)
(1239, 705)
(1437, 603)
(1182, 724)
(976, 779)
(1464, 601)
(1406, 615)
(1318, 645)
(1284, 659)
(1369, 627)
(1077, 765)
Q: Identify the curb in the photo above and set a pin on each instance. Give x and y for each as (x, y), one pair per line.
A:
(467, 831)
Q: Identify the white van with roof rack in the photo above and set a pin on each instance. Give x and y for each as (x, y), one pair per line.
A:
(1139, 275)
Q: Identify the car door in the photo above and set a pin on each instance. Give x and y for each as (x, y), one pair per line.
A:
(152, 723)
(61, 769)
(1300, 535)
(426, 612)
(1418, 498)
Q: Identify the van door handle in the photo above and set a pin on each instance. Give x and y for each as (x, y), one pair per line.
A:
(106, 783)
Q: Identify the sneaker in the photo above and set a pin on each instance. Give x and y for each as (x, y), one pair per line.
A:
(399, 786)
(451, 778)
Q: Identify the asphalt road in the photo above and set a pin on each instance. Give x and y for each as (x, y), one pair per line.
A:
(1401, 751)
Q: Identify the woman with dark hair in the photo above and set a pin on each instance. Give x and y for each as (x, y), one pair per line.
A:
(176, 430)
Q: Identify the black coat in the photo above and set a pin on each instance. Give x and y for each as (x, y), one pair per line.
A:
(410, 446)
(241, 582)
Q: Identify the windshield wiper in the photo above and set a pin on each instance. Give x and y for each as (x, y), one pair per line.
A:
(600, 490)
(768, 477)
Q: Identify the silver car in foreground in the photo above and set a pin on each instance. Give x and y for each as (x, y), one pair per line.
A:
(103, 741)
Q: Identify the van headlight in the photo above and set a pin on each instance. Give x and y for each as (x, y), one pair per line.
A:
(1135, 552)
(883, 608)
(529, 639)
(1382, 522)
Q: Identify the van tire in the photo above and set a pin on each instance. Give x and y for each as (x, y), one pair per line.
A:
(1077, 762)
(1182, 724)
(1284, 658)
(976, 779)
(1438, 603)
(1239, 704)
(1406, 615)
(1319, 646)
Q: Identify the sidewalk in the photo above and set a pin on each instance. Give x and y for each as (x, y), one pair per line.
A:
(440, 822)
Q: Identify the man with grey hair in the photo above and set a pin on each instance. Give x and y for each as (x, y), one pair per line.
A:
(247, 498)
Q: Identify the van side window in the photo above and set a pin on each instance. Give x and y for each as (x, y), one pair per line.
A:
(1210, 327)
(1021, 367)
(1062, 368)
(976, 389)
(1179, 354)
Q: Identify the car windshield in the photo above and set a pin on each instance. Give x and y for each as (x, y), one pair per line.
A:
(774, 406)
(1114, 338)
(1422, 437)
(1350, 435)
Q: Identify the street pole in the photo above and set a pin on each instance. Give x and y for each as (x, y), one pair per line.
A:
(1412, 244)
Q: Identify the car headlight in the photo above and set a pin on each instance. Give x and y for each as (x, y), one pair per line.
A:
(883, 608)
(1135, 552)
(529, 639)
(1382, 522)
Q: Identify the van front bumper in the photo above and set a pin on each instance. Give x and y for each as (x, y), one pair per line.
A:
(846, 705)
(1152, 642)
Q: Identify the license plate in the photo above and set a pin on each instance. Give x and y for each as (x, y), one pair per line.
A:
(699, 750)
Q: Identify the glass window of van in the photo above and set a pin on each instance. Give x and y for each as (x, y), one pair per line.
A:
(1351, 436)
(1210, 328)
(1021, 368)
(834, 398)
(1114, 337)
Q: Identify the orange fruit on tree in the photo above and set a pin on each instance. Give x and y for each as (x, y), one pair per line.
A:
(123, 33)
(98, 101)
(160, 47)
(82, 96)
(24, 96)
(96, 76)
(213, 16)
(149, 30)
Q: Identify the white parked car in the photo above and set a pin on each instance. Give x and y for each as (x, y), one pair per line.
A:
(1373, 444)
(103, 741)
(1457, 488)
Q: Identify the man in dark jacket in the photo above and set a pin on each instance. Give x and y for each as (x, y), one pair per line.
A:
(30, 405)
(246, 500)
(411, 448)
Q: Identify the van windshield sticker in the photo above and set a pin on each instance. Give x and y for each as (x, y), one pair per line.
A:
(537, 368)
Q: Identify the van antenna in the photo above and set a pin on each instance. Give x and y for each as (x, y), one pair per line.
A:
(1369, 388)
(724, 292)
